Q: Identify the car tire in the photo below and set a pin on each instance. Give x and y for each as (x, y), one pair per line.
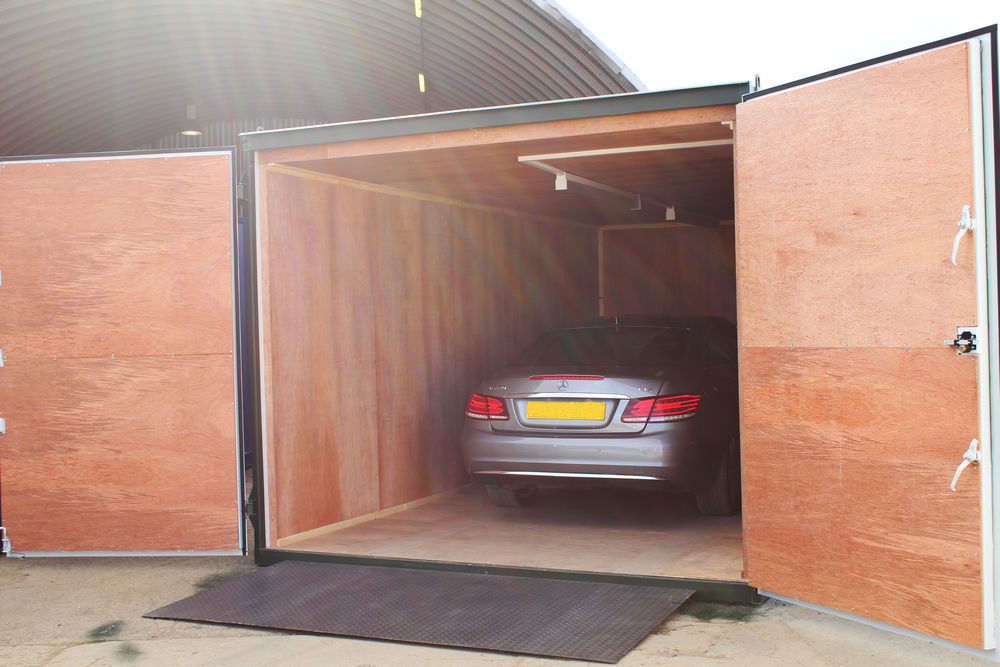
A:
(724, 496)
(509, 496)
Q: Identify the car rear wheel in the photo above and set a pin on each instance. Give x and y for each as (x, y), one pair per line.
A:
(509, 496)
(724, 496)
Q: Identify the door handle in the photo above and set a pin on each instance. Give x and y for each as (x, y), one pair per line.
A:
(964, 225)
(971, 455)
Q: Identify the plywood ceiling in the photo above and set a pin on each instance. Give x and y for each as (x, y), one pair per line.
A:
(699, 180)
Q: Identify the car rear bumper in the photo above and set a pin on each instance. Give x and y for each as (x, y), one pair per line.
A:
(667, 452)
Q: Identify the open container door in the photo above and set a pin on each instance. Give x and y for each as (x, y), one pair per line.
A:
(117, 386)
(855, 415)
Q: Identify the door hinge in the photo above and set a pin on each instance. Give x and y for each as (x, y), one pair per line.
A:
(964, 341)
(5, 547)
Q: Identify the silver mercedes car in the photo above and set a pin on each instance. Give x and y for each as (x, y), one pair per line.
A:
(650, 400)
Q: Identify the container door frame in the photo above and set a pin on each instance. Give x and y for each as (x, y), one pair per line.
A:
(984, 100)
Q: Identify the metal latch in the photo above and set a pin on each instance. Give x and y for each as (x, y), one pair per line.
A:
(971, 455)
(964, 225)
(964, 341)
(4, 542)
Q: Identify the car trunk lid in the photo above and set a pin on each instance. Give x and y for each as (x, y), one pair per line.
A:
(561, 400)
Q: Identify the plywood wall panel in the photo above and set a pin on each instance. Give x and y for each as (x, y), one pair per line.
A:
(682, 270)
(133, 454)
(385, 311)
(851, 454)
(119, 256)
(847, 209)
(403, 367)
(322, 347)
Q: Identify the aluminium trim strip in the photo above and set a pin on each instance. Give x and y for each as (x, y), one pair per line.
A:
(981, 87)
(888, 627)
(499, 116)
(865, 64)
(987, 352)
(991, 104)
(123, 554)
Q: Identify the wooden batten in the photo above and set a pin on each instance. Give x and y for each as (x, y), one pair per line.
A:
(555, 131)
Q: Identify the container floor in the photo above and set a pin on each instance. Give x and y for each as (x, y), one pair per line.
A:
(593, 530)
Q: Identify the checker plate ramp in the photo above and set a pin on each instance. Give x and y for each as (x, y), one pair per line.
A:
(548, 617)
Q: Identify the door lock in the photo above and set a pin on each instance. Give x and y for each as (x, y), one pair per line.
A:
(965, 340)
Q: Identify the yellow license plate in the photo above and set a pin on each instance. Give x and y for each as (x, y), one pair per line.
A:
(582, 410)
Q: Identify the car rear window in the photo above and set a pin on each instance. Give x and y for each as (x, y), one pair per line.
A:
(619, 346)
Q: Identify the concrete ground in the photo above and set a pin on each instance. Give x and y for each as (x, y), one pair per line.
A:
(88, 611)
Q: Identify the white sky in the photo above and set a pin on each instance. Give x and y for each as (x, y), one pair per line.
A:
(687, 43)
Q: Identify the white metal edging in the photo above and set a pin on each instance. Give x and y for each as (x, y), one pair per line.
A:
(983, 146)
(888, 627)
(985, 281)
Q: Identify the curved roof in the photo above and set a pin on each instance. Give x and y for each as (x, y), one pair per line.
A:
(102, 75)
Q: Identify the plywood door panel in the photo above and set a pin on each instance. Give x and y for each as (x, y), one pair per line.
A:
(133, 454)
(855, 204)
(854, 415)
(116, 256)
(118, 387)
(848, 456)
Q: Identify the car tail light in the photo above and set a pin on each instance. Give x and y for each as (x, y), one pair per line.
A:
(486, 407)
(566, 377)
(662, 408)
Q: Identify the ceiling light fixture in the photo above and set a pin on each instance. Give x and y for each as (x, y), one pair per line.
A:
(190, 128)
